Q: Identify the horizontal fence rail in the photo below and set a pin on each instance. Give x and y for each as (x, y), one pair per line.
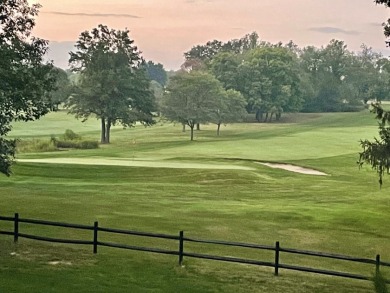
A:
(277, 249)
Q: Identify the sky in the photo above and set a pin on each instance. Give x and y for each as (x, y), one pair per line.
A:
(164, 29)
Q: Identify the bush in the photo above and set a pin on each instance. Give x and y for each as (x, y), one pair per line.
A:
(35, 145)
(70, 135)
(88, 144)
(70, 140)
(66, 144)
(81, 144)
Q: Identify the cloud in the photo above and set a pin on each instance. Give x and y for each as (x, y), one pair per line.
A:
(92, 14)
(333, 30)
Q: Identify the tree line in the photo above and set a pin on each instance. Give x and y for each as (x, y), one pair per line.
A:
(277, 78)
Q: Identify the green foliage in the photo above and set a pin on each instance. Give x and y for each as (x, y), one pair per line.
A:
(342, 80)
(268, 80)
(377, 153)
(73, 140)
(35, 145)
(230, 109)
(277, 78)
(70, 135)
(7, 153)
(77, 144)
(25, 81)
(68, 140)
(63, 88)
(113, 87)
(224, 66)
(156, 72)
(158, 92)
(205, 53)
(192, 98)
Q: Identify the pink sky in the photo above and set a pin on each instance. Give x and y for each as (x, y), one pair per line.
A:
(165, 29)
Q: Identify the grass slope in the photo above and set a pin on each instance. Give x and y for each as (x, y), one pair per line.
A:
(344, 212)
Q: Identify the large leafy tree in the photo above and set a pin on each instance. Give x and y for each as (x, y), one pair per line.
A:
(25, 80)
(269, 81)
(340, 79)
(230, 109)
(113, 86)
(192, 98)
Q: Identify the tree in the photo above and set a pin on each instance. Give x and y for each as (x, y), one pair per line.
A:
(377, 153)
(112, 86)
(340, 80)
(62, 88)
(156, 72)
(224, 67)
(269, 81)
(192, 98)
(25, 81)
(231, 108)
(200, 56)
(367, 76)
(158, 92)
(205, 52)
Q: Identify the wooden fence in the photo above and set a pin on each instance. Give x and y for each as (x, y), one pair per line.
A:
(180, 253)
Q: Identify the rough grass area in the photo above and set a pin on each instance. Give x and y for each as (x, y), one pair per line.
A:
(344, 212)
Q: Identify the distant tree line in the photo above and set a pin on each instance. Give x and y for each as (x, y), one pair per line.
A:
(248, 76)
(278, 78)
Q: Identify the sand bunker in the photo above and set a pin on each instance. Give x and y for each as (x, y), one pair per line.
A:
(59, 262)
(296, 169)
(166, 164)
(135, 163)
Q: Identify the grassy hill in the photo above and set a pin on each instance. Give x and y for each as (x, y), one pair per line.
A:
(212, 188)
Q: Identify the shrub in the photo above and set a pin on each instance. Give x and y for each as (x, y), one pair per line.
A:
(70, 135)
(35, 145)
(81, 144)
(88, 144)
(66, 144)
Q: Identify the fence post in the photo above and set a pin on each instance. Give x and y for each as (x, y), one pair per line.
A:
(181, 247)
(95, 237)
(377, 263)
(277, 250)
(16, 227)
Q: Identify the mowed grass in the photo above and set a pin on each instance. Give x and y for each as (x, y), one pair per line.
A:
(344, 212)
